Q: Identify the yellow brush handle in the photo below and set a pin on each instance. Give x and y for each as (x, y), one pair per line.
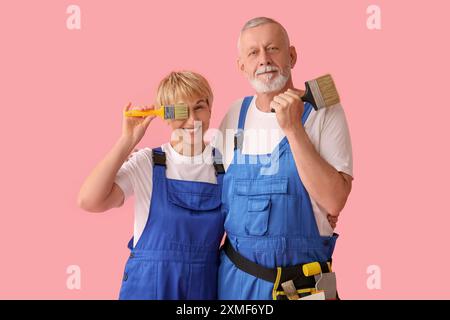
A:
(139, 113)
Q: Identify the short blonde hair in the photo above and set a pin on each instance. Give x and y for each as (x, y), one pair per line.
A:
(180, 85)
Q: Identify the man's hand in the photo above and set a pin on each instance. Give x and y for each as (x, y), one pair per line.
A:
(289, 108)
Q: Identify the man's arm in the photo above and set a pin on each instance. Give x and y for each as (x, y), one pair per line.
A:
(327, 186)
(324, 183)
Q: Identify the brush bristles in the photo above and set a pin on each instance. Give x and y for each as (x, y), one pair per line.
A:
(176, 112)
(324, 91)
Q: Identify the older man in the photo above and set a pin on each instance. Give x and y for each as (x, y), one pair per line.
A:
(288, 176)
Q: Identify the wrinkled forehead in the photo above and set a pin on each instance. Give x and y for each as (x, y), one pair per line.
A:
(263, 35)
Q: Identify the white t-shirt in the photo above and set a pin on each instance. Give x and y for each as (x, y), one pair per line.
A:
(327, 129)
(136, 177)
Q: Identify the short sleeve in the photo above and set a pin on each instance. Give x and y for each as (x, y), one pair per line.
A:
(131, 173)
(335, 143)
(123, 180)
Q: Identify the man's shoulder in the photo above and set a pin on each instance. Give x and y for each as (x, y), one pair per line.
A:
(335, 116)
(236, 104)
(231, 117)
(235, 107)
(334, 109)
(324, 116)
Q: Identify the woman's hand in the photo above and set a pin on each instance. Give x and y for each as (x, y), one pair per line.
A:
(135, 127)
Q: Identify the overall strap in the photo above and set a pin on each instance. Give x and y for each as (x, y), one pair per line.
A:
(307, 110)
(243, 113)
(218, 162)
(159, 157)
(159, 163)
(246, 104)
(238, 137)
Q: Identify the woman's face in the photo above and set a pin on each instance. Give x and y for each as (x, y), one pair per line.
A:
(191, 130)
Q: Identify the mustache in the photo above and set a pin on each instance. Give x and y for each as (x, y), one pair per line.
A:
(266, 69)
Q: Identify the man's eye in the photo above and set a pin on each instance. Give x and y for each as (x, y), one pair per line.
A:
(273, 49)
(252, 53)
(198, 107)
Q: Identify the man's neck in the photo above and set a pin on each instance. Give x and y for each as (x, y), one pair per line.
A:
(263, 100)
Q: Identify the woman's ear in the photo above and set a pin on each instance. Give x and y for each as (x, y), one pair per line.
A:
(209, 106)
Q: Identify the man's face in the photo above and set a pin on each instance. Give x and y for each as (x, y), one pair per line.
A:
(266, 58)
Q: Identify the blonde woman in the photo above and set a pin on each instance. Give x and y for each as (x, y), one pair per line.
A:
(177, 187)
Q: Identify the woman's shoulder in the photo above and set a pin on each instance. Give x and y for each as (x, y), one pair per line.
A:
(141, 156)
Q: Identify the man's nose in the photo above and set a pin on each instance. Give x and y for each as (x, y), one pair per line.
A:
(264, 59)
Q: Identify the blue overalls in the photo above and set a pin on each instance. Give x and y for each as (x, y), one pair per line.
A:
(177, 255)
(269, 218)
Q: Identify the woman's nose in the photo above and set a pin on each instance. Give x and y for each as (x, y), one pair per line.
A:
(192, 116)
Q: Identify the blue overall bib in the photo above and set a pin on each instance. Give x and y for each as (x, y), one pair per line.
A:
(269, 218)
(177, 255)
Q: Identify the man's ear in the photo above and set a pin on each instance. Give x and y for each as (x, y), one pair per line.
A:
(240, 65)
(293, 56)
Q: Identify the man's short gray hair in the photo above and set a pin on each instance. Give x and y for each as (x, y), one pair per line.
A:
(258, 21)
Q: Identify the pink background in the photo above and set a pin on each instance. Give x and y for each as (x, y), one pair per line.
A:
(62, 93)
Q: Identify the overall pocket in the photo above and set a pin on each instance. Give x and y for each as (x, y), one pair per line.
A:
(257, 219)
(256, 198)
(197, 196)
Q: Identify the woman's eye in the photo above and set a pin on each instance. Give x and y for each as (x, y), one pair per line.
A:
(198, 107)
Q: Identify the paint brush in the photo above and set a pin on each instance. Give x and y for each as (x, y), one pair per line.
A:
(167, 112)
(320, 92)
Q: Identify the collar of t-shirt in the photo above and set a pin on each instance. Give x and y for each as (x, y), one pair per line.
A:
(262, 131)
(178, 158)
(196, 168)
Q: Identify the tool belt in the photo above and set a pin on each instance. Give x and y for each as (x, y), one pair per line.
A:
(302, 275)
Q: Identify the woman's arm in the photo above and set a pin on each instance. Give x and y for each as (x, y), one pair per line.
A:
(99, 192)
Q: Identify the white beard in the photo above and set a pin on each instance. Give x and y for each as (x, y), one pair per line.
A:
(271, 85)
